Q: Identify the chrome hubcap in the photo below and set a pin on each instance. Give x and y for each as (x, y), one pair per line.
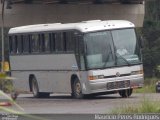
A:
(78, 88)
(34, 88)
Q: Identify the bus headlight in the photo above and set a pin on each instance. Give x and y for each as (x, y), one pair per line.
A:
(137, 72)
(95, 77)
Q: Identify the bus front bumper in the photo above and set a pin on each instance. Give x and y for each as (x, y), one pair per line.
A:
(116, 84)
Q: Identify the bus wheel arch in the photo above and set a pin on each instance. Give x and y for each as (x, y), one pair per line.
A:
(73, 77)
(76, 88)
(34, 86)
(31, 76)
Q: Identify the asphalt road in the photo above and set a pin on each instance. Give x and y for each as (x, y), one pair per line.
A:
(64, 104)
(63, 107)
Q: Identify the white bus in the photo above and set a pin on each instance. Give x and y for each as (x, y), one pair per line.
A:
(86, 58)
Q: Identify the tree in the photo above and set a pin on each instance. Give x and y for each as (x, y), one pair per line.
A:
(151, 34)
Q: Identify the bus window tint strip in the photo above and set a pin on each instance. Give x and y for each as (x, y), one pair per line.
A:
(48, 42)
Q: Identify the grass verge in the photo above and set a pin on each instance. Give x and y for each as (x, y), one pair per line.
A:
(145, 106)
(149, 86)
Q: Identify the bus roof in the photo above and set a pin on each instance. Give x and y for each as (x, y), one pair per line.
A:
(84, 26)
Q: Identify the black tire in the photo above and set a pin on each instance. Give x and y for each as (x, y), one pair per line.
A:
(77, 89)
(14, 95)
(35, 90)
(125, 93)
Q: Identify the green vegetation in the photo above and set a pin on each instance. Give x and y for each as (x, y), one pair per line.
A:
(5, 84)
(145, 106)
(151, 38)
(149, 86)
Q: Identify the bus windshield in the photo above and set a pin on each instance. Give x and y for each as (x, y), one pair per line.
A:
(111, 48)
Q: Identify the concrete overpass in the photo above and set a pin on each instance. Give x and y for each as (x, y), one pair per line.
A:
(51, 11)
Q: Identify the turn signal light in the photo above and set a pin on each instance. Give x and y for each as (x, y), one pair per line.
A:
(95, 77)
(92, 77)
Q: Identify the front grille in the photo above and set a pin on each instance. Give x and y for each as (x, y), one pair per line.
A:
(121, 75)
(118, 84)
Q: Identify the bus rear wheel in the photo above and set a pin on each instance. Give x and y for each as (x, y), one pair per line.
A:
(125, 93)
(35, 90)
(77, 89)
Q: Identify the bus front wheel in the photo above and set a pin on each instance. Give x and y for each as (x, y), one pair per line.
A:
(77, 89)
(125, 93)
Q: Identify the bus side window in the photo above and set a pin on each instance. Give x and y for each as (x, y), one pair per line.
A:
(41, 47)
(34, 43)
(64, 41)
(47, 42)
(79, 51)
(59, 42)
(14, 43)
(41, 43)
(44, 42)
(20, 44)
(10, 44)
(70, 41)
(25, 44)
(52, 42)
